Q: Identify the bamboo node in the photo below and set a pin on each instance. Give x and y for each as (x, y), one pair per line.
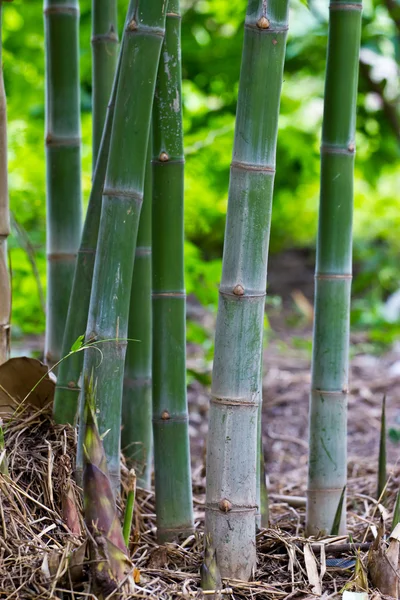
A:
(165, 415)
(263, 23)
(132, 25)
(225, 505)
(164, 157)
(238, 290)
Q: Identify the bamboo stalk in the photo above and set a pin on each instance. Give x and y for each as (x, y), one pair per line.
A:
(5, 290)
(170, 414)
(121, 204)
(69, 371)
(236, 392)
(328, 402)
(104, 60)
(137, 432)
(63, 181)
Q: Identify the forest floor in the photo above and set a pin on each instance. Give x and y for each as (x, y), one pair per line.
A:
(35, 542)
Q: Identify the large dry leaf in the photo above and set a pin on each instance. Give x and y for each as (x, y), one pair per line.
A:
(18, 378)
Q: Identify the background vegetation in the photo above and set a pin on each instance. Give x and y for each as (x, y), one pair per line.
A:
(211, 47)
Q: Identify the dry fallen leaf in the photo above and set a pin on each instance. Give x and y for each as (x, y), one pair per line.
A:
(18, 378)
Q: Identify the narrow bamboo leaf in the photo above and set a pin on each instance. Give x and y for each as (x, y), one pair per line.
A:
(382, 473)
(78, 343)
(338, 515)
(130, 504)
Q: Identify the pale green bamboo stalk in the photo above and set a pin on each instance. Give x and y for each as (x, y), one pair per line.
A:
(122, 200)
(137, 430)
(63, 160)
(69, 371)
(173, 484)
(328, 403)
(5, 290)
(236, 390)
(104, 60)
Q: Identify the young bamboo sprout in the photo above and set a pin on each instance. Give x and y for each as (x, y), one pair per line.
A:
(67, 387)
(236, 390)
(328, 401)
(396, 511)
(63, 159)
(5, 291)
(104, 60)
(137, 428)
(121, 204)
(210, 576)
(110, 564)
(130, 505)
(338, 515)
(382, 474)
(170, 414)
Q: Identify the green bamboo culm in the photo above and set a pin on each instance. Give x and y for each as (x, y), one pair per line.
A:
(173, 486)
(104, 60)
(5, 290)
(63, 164)
(69, 371)
(382, 472)
(137, 429)
(330, 365)
(121, 204)
(236, 390)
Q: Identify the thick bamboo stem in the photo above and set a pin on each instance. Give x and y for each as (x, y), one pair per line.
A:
(69, 371)
(63, 164)
(137, 432)
(328, 402)
(236, 391)
(5, 291)
(170, 414)
(121, 204)
(104, 60)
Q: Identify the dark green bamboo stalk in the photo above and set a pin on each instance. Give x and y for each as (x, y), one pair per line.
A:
(328, 403)
(5, 290)
(236, 390)
(170, 413)
(137, 433)
(69, 371)
(63, 164)
(104, 60)
(121, 204)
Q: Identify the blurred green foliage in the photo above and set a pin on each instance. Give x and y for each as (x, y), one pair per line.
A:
(212, 34)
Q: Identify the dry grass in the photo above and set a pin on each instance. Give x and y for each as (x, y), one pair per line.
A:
(35, 542)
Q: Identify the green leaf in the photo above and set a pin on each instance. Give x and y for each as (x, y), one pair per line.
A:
(78, 343)
(338, 515)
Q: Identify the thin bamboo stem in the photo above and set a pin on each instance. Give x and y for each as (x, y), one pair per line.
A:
(5, 290)
(104, 60)
(121, 204)
(137, 432)
(236, 390)
(63, 183)
(328, 402)
(69, 371)
(170, 413)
